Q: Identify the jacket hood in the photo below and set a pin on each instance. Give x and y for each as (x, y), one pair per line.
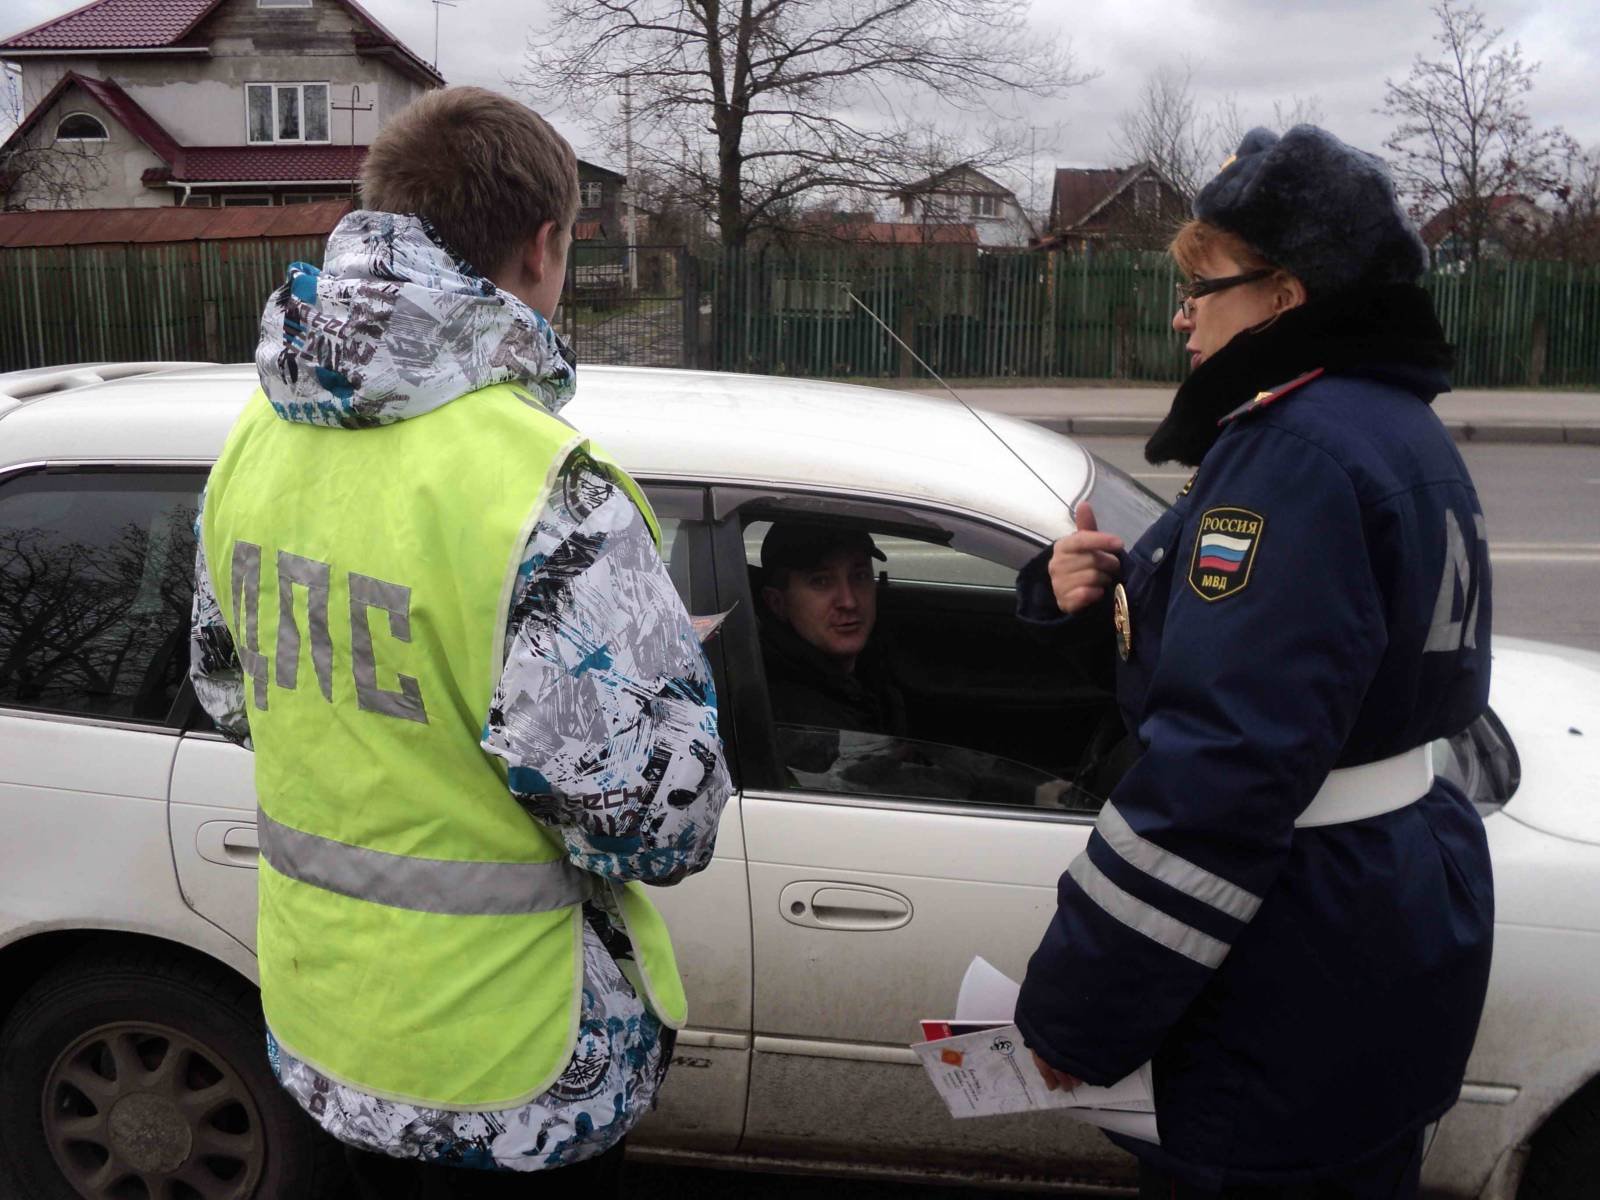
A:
(1387, 331)
(394, 325)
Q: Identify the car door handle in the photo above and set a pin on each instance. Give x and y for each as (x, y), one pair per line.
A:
(227, 843)
(817, 904)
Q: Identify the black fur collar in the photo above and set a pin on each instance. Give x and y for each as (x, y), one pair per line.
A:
(1389, 330)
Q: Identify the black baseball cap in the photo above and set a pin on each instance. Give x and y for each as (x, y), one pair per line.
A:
(798, 546)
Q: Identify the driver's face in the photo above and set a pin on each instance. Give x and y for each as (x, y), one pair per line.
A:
(832, 605)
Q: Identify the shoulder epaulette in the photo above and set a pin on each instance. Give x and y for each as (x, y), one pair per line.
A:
(1262, 399)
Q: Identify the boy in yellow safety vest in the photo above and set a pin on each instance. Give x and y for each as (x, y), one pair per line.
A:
(480, 716)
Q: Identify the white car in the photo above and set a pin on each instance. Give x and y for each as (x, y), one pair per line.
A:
(839, 908)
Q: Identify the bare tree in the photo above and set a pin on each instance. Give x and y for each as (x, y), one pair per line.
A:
(1167, 130)
(1464, 136)
(1230, 124)
(1574, 232)
(751, 105)
(38, 171)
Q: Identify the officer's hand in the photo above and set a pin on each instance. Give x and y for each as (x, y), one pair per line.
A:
(1084, 564)
(1054, 1079)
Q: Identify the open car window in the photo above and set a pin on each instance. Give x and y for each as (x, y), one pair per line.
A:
(953, 700)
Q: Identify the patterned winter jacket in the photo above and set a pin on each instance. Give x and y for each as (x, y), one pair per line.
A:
(392, 327)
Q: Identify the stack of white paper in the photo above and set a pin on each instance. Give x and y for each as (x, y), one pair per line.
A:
(989, 1071)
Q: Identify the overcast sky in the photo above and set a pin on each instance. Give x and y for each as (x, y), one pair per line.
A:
(1260, 51)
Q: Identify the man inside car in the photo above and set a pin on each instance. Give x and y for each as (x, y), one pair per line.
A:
(840, 711)
(820, 602)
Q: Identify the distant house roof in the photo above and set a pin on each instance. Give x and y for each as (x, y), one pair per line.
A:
(115, 25)
(939, 180)
(262, 164)
(96, 226)
(1080, 190)
(1080, 194)
(126, 25)
(1509, 209)
(589, 168)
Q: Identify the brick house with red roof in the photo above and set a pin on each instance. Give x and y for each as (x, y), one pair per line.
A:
(202, 102)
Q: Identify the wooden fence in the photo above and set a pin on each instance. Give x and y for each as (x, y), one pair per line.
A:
(815, 312)
(182, 300)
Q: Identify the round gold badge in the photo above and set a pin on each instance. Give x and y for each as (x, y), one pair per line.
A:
(1122, 618)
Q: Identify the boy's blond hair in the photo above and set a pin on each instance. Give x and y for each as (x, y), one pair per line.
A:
(486, 171)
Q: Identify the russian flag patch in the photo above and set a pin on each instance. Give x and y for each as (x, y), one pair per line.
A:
(1224, 551)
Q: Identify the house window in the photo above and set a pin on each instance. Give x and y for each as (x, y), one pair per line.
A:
(1146, 196)
(198, 200)
(80, 127)
(249, 200)
(907, 206)
(283, 3)
(286, 112)
(591, 193)
(307, 197)
(985, 205)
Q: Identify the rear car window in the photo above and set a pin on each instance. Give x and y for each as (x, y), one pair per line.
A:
(96, 573)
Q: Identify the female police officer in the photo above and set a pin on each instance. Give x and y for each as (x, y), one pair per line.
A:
(1280, 905)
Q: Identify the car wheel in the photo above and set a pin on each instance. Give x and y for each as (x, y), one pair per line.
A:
(1564, 1161)
(129, 1075)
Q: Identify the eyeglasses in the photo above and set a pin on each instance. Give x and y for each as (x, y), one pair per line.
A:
(1189, 292)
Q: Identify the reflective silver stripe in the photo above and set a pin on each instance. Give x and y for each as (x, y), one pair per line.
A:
(1173, 869)
(436, 885)
(315, 577)
(1143, 918)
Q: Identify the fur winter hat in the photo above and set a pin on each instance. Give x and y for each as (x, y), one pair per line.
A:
(1316, 207)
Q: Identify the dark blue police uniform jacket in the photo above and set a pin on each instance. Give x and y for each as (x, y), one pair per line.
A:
(1318, 599)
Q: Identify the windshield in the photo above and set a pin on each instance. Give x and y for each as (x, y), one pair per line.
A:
(1122, 505)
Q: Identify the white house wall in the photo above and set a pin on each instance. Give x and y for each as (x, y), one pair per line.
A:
(201, 100)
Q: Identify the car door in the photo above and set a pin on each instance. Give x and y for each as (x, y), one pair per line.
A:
(702, 1107)
(94, 602)
(869, 900)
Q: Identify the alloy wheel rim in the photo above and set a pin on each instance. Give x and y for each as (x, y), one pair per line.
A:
(140, 1111)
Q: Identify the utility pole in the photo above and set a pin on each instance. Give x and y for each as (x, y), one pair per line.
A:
(437, 5)
(352, 108)
(630, 227)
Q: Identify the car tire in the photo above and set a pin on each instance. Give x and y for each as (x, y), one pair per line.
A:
(129, 1072)
(1564, 1158)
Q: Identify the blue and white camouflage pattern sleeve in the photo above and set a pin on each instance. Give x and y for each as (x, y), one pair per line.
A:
(214, 668)
(606, 713)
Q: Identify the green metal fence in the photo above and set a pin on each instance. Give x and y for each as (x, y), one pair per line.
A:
(812, 312)
(970, 313)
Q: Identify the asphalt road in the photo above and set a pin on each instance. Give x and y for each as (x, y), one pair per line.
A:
(1542, 505)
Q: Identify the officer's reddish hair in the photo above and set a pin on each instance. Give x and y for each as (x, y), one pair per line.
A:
(1198, 240)
(486, 171)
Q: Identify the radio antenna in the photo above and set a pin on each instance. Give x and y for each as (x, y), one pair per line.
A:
(978, 415)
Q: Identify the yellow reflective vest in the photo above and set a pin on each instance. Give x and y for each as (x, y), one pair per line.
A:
(419, 934)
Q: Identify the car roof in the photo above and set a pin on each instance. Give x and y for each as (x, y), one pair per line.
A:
(658, 423)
